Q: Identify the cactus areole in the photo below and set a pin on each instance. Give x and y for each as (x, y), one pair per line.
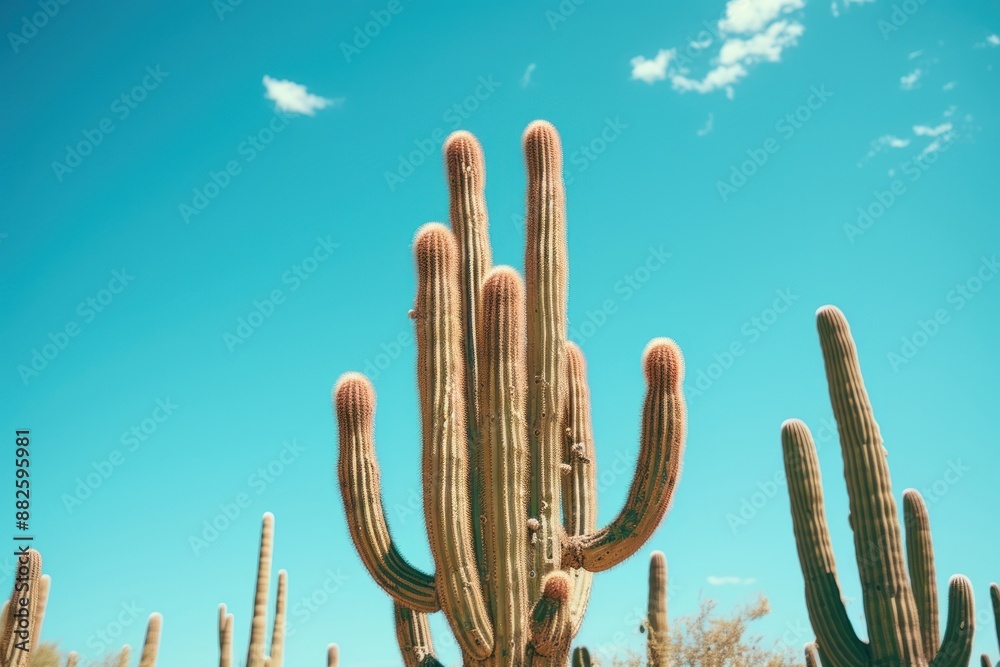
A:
(508, 465)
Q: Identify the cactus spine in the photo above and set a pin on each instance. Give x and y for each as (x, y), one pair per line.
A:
(507, 444)
(658, 641)
(901, 611)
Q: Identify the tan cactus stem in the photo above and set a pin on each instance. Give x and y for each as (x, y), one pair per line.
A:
(73, 659)
(505, 459)
(19, 632)
(545, 270)
(258, 625)
(440, 379)
(124, 656)
(658, 641)
(581, 657)
(579, 483)
(151, 644)
(225, 637)
(358, 474)
(920, 565)
(278, 629)
(657, 468)
(551, 624)
(812, 657)
(413, 634)
(984, 661)
(42, 601)
(332, 656)
(898, 613)
(470, 222)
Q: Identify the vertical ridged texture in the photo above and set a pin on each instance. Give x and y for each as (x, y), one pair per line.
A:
(551, 625)
(413, 634)
(258, 624)
(812, 657)
(124, 656)
(657, 469)
(995, 600)
(441, 381)
(581, 657)
(897, 614)
(509, 473)
(657, 627)
(505, 460)
(545, 269)
(42, 601)
(579, 482)
(225, 637)
(278, 629)
(21, 613)
(73, 659)
(920, 564)
(151, 644)
(332, 656)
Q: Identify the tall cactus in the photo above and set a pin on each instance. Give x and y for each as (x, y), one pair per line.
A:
(507, 444)
(23, 613)
(901, 611)
(995, 600)
(657, 627)
(257, 654)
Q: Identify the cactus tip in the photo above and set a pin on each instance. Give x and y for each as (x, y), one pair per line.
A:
(663, 357)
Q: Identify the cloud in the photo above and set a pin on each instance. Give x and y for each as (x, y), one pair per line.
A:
(910, 81)
(293, 97)
(655, 69)
(915, 54)
(835, 9)
(949, 85)
(928, 131)
(707, 127)
(882, 143)
(526, 77)
(766, 45)
(743, 16)
(731, 581)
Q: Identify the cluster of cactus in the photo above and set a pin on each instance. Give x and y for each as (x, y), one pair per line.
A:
(901, 609)
(22, 616)
(507, 440)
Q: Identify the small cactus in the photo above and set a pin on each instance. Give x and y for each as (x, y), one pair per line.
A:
(657, 627)
(581, 657)
(995, 600)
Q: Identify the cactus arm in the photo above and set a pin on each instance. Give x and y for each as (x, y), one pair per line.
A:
(581, 657)
(984, 661)
(358, 474)
(956, 647)
(890, 610)
(466, 172)
(72, 659)
(545, 268)
(657, 468)
(812, 657)
(505, 458)
(413, 634)
(657, 627)
(151, 644)
(920, 564)
(834, 633)
(225, 637)
(551, 625)
(332, 656)
(124, 656)
(579, 483)
(278, 629)
(258, 625)
(440, 379)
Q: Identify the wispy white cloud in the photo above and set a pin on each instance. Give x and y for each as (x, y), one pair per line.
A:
(292, 97)
(992, 41)
(835, 6)
(652, 69)
(915, 54)
(707, 127)
(928, 131)
(884, 142)
(730, 581)
(526, 77)
(747, 16)
(949, 86)
(911, 80)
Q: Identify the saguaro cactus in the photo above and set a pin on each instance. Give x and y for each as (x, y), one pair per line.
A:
(507, 443)
(901, 611)
(257, 656)
(995, 599)
(657, 626)
(22, 615)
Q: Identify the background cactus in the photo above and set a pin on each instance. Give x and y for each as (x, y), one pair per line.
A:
(901, 611)
(581, 657)
(995, 600)
(507, 442)
(657, 627)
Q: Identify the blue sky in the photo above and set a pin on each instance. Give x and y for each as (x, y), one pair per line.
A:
(730, 167)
